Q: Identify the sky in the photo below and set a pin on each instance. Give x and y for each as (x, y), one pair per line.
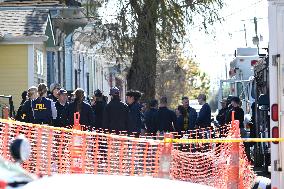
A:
(215, 50)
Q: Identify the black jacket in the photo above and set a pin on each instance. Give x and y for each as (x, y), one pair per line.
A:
(116, 116)
(135, 118)
(98, 109)
(204, 118)
(87, 117)
(150, 121)
(42, 110)
(26, 112)
(239, 115)
(192, 116)
(52, 97)
(221, 117)
(62, 115)
(165, 120)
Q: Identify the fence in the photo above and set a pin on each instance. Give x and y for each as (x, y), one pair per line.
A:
(58, 150)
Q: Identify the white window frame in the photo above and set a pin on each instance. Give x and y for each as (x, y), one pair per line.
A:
(39, 60)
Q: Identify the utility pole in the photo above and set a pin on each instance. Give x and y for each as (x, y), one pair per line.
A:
(255, 39)
(245, 35)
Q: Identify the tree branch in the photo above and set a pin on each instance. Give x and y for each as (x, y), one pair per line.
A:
(135, 6)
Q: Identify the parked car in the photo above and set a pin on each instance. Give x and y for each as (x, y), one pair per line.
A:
(74, 181)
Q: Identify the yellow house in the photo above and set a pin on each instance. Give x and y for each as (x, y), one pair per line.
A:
(24, 36)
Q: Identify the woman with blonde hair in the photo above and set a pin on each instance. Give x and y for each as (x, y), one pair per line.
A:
(44, 111)
(26, 114)
(87, 117)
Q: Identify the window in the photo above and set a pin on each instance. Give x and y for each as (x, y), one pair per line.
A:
(39, 60)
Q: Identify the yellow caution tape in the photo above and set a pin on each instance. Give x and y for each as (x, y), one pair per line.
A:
(167, 140)
(223, 140)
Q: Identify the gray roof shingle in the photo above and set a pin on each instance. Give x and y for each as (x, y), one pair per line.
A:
(19, 23)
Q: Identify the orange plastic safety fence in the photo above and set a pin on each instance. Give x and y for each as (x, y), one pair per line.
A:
(56, 150)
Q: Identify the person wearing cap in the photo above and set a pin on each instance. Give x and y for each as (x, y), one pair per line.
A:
(221, 117)
(115, 115)
(62, 109)
(54, 88)
(98, 108)
(87, 118)
(239, 113)
(135, 124)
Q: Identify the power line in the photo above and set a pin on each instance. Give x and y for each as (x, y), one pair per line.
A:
(241, 10)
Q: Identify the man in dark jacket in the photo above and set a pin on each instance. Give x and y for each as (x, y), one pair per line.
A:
(149, 117)
(239, 113)
(85, 110)
(115, 115)
(190, 119)
(19, 112)
(165, 119)
(135, 124)
(221, 117)
(204, 118)
(98, 108)
(62, 109)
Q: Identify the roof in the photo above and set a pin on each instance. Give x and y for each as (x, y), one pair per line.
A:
(30, 3)
(40, 3)
(21, 23)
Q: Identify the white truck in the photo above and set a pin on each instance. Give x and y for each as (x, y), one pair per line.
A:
(240, 78)
(249, 77)
(276, 84)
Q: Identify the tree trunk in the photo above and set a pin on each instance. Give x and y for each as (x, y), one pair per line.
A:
(142, 73)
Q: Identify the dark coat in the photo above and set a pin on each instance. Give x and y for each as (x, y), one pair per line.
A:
(221, 117)
(26, 114)
(116, 116)
(62, 115)
(239, 115)
(87, 117)
(180, 123)
(165, 120)
(98, 109)
(150, 121)
(204, 118)
(135, 118)
(42, 112)
(192, 116)
(52, 97)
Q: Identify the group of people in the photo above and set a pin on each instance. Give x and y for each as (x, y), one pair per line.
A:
(39, 107)
(132, 117)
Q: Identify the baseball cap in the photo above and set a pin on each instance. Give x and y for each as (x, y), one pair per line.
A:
(236, 99)
(114, 91)
(62, 91)
(130, 93)
(98, 93)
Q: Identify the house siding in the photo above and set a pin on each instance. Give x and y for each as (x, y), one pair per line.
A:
(13, 71)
